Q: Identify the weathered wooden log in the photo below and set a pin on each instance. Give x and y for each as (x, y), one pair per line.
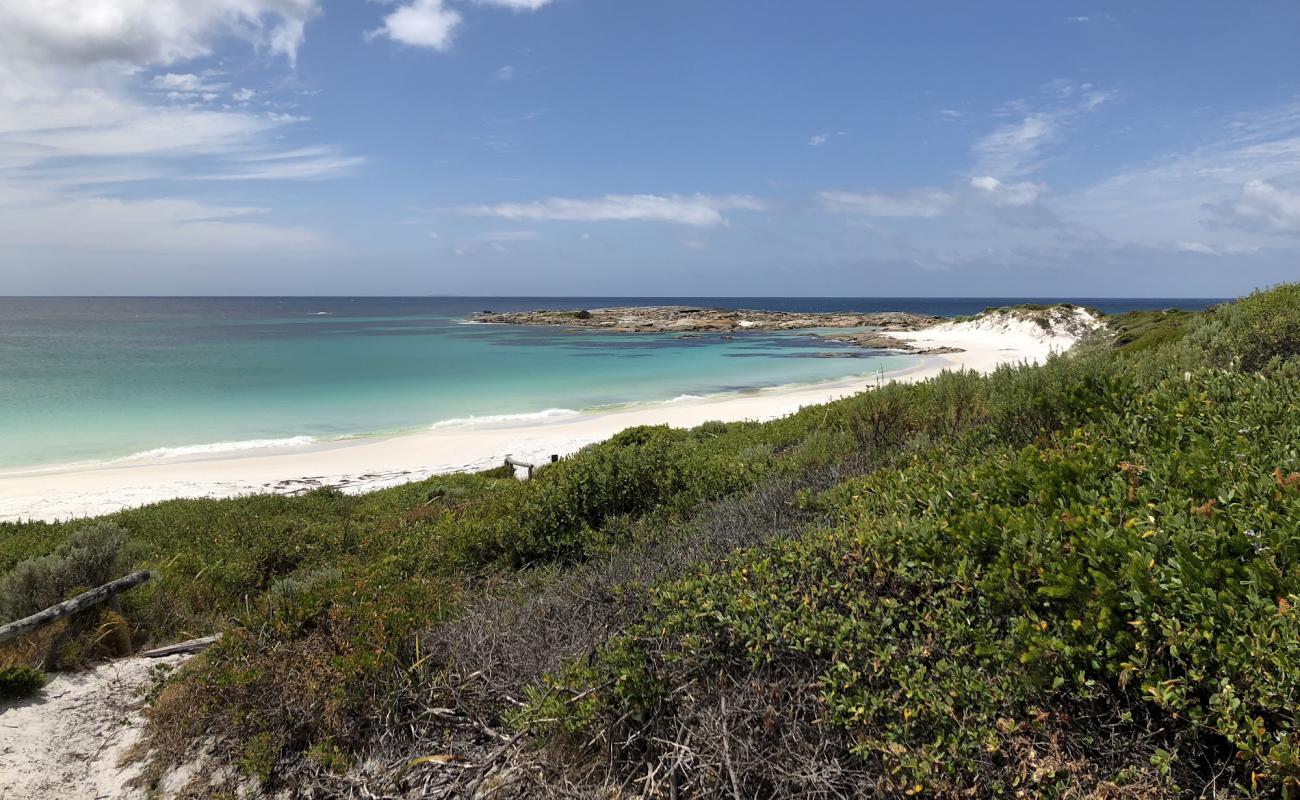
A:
(79, 603)
(512, 463)
(192, 646)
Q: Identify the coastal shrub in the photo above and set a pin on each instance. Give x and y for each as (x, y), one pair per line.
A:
(94, 555)
(977, 605)
(18, 682)
(1140, 330)
(1259, 328)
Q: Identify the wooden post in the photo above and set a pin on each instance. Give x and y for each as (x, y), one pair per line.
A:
(79, 603)
(511, 463)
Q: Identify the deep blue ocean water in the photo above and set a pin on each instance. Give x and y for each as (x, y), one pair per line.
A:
(99, 379)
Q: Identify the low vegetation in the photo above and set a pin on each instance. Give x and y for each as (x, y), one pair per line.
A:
(18, 681)
(1077, 579)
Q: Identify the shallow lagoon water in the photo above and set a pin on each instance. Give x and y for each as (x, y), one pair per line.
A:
(101, 379)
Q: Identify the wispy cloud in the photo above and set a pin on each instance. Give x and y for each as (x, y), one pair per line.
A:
(1262, 206)
(516, 5)
(79, 33)
(1018, 148)
(819, 140)
(698, 210)
(94, 94)
(1003, 194)
(1235, 193)
(505, 73)
(924, 203)
(1086, 18)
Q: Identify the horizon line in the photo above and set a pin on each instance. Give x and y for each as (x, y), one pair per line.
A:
(600, 297)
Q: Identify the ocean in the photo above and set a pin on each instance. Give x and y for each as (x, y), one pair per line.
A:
(95, 380)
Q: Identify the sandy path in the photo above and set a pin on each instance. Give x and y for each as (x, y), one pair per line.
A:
(65, 743)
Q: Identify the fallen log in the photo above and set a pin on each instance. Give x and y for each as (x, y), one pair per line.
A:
(192, 646)
(79, 603)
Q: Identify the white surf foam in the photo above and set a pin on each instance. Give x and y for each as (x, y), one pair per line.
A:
(496, 419)
(216, 447)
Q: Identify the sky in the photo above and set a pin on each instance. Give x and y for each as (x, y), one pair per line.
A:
(648, 147)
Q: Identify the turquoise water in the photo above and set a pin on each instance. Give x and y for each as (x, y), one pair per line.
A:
(95, 379)
(118, 384)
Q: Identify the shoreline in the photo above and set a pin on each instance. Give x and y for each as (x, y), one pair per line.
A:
(365, 464)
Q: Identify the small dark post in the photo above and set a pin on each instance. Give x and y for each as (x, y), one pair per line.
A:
(554, 458)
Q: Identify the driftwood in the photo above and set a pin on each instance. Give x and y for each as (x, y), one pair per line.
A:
(79, 603)
(192, 646)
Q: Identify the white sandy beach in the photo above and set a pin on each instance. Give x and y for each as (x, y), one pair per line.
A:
(371, 463)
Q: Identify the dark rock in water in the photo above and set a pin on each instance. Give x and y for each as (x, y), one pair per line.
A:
(883, 341)
(673, 319)
(936, 351)
(844, 354)
(874, 340)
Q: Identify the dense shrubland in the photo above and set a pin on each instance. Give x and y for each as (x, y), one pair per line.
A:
(1077, 579)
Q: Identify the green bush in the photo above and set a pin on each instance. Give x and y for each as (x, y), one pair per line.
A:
(1259, 328)
(93, 556)
(18, 682)
(1145, 559)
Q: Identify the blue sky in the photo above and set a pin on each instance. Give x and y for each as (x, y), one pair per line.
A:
(648, 147)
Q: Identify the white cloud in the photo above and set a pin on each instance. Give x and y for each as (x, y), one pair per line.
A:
(1015, 149)
(87, 103)
(505, 73)
(186, 82)
(1231, 193)
(305, 163)
(145, 32)
(1265, 207)
(698, 210)
(924, 203)
(1018, 148)
(516, 5)
(421, 23)
(165, 226)
(1234, 194)
(432, 24)
(818, 140)
(1003, 194)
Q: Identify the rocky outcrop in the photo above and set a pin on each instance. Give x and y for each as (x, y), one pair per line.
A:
(686, 319)
(876, 340)
(1062, 324)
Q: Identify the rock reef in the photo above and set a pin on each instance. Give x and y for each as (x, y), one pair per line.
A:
(684, 319)
(695, 321)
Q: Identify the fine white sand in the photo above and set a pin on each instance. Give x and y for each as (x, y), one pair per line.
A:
(69, 740)
(365, 464)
